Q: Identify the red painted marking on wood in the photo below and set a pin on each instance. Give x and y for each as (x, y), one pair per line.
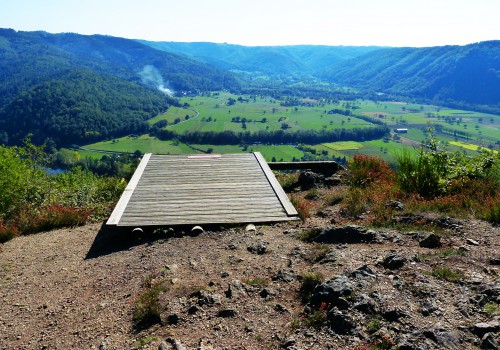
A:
(205, 156)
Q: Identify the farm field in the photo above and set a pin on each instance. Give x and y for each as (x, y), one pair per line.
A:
(217, 112)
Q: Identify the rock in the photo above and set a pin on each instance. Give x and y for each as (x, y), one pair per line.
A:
(427, 307)
(495, 261)
(173, 319)
(490, 342)
(329, 291)
(330, 257)
(393, 315)
(396, 205)
(347, 234)
(366, 305)
(266, 292)
(285, 276)
(431, 241)
(341, 323)
(235, 289)
(393, 261)
(197, 230)
(308, 180)
(176, 344)
(471, 241)
(333, 180)
(287, 343)
(163, 346)
(104, 344)
(207, 298)
(481, 328)
(224, 274)
(225, 313)
(194, 309)
(446, 339)
(280, 308)
(250, 228)
(258, 247)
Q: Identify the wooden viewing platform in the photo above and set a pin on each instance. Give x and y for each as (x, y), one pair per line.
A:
(202, 189)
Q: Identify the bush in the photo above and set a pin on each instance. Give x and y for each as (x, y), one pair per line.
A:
(31, 200)
(445, 273)
(309, 281)
(302, 206)
(146, 311)
(364, 170)
(435, 171)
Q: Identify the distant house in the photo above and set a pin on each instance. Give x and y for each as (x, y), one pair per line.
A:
(402, 131)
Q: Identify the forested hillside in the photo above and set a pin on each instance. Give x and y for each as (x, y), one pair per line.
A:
(72, 88)
(81, 106)
(297, 59)
(465, 74)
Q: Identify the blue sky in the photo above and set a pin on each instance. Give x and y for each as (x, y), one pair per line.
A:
(265, 22)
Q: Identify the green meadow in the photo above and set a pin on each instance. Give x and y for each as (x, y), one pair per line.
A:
(217, 112)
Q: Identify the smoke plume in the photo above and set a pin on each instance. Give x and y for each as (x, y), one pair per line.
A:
(151, 76)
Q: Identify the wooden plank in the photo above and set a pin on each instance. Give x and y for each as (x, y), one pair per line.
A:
(178, 190)
(289, 208)
(129, 190)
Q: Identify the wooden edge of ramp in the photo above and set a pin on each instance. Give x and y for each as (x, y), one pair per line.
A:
(117, 213)
(278, 190)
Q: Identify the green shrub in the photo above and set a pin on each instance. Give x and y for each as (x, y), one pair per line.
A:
(355, 203)
(492, 309)
(308, 235)
(435, 171)
(309, 281)
(146, 310)
(447, 274)
(317, 252)
(257, 281)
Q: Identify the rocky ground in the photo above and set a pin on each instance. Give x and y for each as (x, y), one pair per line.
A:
(246, 288)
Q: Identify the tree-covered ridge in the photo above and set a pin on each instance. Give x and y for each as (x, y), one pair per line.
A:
(293, 59)
(81, 106)
(468, 74)
(29, 58)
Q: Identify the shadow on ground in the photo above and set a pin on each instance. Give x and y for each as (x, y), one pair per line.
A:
(111, 239)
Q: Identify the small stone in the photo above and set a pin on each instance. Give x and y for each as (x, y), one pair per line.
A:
(280, 308)
(176, 344)
(431, 241)
(471, 241)
(495, 261)
(285, 276)
(287, 343)
(258, 248)
(193, 309)
(396, 205)
(393, 261)
(173, 319)
(197, 230)
(224, 274)
(481, 328)
(227, 313)
(489, 342)
(250, 228)
(266, 292)
(163, 346)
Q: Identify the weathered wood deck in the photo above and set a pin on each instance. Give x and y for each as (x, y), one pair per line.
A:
(202, 189)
